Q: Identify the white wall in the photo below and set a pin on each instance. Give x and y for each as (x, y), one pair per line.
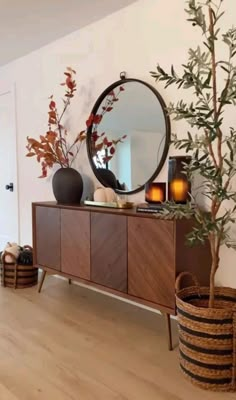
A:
(145, 154)
(133, 39)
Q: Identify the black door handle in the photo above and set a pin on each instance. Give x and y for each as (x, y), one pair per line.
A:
(10, 187)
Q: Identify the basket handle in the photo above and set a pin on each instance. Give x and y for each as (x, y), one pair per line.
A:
(181, 276)
(27, 247)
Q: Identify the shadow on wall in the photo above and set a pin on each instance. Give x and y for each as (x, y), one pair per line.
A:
(89, 187)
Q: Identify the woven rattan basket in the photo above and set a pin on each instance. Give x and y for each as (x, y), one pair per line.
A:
(17, 275)
(207, 336)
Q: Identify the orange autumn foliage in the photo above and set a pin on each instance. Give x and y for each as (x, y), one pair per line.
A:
(53, 147)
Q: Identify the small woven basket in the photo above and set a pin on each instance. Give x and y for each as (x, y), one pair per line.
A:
(207, 336)
(18, 276)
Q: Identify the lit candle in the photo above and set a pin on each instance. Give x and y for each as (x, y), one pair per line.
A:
(179, 190)
(157, 194)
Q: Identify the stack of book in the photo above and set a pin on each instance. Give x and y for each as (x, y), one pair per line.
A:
(150, 208)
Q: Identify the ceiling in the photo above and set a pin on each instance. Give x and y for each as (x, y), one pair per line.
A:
(26, 25)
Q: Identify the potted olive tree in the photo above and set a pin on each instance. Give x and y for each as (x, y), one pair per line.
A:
(207, 323)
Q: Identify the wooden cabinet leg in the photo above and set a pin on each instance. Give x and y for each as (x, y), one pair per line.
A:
(69, 280)
(41, 281)
(170, 346)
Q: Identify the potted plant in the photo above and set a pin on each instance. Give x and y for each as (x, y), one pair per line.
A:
(54, 147)
(207, 316)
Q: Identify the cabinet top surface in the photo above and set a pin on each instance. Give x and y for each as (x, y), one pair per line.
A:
(104, 210)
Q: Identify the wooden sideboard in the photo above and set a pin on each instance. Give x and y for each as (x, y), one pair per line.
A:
(136, 256)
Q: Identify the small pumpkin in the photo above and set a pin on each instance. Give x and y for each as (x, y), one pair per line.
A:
(99, 195)
(105, 195)
(110, 195)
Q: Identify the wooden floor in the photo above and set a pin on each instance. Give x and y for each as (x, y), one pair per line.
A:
(70, 343)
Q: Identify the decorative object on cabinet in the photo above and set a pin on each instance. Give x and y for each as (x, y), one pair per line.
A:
(149, 208)
(155, 192)
(106, 197)
(16, 267)
(106, 194)
(153, 208)
(67, 186)
(55, 148)
(119, 203)
(141, 114)
(104, 248)
(214, 160)
(179, 187)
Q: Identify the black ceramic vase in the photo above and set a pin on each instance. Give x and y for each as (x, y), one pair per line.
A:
(67, 185)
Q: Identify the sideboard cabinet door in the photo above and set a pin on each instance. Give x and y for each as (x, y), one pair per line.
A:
(109, 250)
(151, 273)
(75, 243)
(47, 237)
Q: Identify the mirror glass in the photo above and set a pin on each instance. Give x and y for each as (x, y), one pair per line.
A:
(128, 135)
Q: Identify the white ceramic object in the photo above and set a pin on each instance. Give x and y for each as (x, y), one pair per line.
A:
(110, 195)
(106, 195)
(99, 195)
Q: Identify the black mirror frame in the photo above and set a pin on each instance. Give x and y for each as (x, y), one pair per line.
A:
(167, 140)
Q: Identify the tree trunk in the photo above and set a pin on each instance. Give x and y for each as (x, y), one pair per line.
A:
(214, 266)
(212, 286)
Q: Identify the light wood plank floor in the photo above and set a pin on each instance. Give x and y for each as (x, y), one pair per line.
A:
(70, 343)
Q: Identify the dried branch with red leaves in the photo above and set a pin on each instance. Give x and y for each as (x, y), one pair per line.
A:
(53, 147)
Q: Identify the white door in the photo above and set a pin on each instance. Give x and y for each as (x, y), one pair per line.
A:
(8, 168)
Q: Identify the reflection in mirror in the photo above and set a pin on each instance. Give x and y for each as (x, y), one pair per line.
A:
(129, 135)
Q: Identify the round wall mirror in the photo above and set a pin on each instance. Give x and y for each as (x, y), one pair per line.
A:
(128, 135)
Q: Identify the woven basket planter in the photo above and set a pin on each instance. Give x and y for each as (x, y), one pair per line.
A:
(207, 336)
(18, 276)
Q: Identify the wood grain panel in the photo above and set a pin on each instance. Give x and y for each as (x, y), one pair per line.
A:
(47, 237)
(109, 250)
(196, 259)
(151, 273)
(156, 253)
(75, 243)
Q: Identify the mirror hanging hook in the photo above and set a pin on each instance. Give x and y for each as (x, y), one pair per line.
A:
(123, 75)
